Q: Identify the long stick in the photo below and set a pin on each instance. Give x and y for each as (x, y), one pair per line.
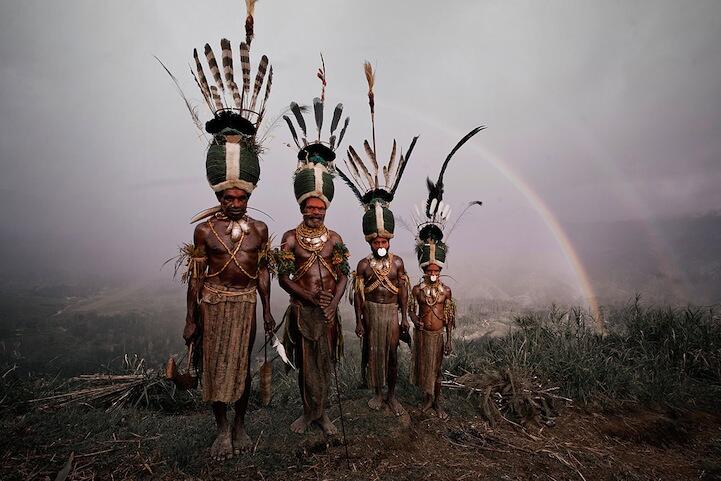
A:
(337, 388)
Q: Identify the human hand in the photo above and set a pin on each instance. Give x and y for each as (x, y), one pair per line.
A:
(329, 311)
(405, 326)
(359, 329)
(312, 296)
(325, 298)
(268, 323)
(449, 348)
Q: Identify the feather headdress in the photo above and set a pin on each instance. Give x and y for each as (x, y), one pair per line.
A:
(241, 107)
(316, 157)
(237, 107)
(433, 219)
(375, 186)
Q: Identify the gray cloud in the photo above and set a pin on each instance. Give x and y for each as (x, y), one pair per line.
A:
(608, 110)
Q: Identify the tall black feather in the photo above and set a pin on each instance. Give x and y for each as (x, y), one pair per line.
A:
(336, 118)
(342, 131)
(402, 165)
(295, 108)
(318, 110)
(350, 184)
(435, 191)
(292, 130)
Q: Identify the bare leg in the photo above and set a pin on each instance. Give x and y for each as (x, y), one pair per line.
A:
(443, 415)
(222, 447)
(241, 440)
(427, 403)
(327, 425)
(301, 424)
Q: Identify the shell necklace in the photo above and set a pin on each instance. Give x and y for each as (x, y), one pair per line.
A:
(431, 292)
(236, 228)
(311, 239)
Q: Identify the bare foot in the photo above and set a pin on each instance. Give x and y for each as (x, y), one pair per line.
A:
(241, 440)
(442, 415)
(396, 406)
(426, 406)
(300, 425)
(376, 402)
(327, 425)
(222, 447)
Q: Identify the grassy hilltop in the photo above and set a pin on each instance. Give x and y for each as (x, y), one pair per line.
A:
(547, 399)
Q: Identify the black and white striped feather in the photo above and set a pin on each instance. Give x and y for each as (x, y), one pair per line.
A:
(214, 69)
(227, 59)
(259, 77)
(268, 86)
(202, 81)
(245, 67)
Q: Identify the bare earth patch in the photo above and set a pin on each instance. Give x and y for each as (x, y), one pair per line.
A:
(634, 445)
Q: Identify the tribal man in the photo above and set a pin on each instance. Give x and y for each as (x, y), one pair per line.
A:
(380, 281)
(227, 261)
(313, 269)
(436, 309)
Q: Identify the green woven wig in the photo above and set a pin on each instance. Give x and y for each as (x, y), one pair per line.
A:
(314, 172)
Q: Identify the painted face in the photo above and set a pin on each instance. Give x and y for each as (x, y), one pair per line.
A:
(313, 210)
(432, 272)
(380, 246)
(234, 203)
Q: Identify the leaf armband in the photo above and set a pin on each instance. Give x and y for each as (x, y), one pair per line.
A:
(284, 262)
(192, 261)
(449, 313)
(340, 256)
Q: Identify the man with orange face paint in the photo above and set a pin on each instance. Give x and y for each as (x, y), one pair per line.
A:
(313, 269)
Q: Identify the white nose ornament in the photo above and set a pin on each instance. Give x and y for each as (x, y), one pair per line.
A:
(382, 252)
(434, 278)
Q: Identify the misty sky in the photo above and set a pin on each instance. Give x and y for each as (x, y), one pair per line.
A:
(608, 110)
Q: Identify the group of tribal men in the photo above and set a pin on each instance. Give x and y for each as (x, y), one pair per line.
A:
(231, 262)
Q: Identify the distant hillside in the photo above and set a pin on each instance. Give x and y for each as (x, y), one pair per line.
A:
(670, 260)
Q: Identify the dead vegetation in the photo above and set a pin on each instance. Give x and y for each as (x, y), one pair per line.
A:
(549, 401)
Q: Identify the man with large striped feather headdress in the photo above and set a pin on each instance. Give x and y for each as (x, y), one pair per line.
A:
(227, 262)
(431, 305)
(380, 283)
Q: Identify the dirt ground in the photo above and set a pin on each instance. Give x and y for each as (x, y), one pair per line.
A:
(581, 445)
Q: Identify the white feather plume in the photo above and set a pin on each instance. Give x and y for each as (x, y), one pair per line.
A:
(280, 349)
